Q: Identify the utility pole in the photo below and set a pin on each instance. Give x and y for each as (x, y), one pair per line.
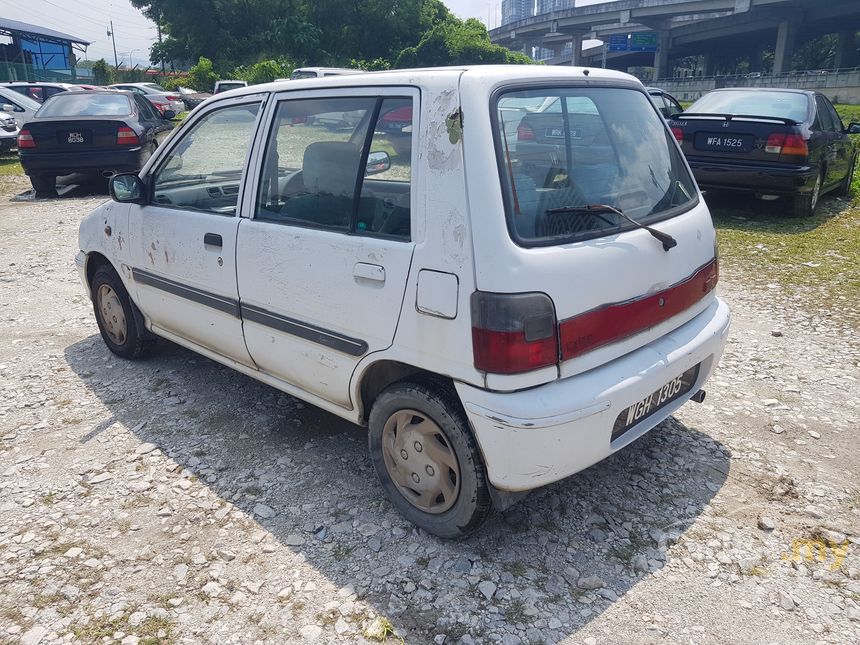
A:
(113, 38)
(160, 53)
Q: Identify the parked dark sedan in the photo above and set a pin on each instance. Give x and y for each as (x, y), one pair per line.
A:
(769, 142)
(98, 133)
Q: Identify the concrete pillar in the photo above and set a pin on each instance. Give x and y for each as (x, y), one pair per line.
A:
(785, 37)
(756, 58)
(707, 65)
(846, 53)
(661, 56)
(576, 50)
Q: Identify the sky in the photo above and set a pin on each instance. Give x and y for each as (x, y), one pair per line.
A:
(89, 20)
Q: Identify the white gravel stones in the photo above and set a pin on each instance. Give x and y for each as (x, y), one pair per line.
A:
(263, 511)
(487, 589)
(766, 524)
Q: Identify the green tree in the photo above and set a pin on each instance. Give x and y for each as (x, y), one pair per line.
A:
(202, 76)
(456, 42)
(103, 74)
(265, 71)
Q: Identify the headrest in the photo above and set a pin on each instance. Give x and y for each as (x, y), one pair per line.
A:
(331, 168)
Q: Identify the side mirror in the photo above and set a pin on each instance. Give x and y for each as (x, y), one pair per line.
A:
(377, 162)
(7, 107)
(853, 128)
(127, 188)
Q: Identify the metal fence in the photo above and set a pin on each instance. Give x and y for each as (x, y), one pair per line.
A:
(26, 72)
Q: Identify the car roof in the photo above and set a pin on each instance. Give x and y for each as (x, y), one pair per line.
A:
(486, 74)
(36, 84)
(764, 89)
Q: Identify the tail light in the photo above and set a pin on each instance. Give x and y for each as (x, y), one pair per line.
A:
(678, 133)
(513, 333)
(786, 144)
(525, 132)
(25, 140)
(614, 322)
(125, 136)
(172, 98)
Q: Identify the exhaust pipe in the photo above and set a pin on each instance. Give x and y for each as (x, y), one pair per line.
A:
(107, 174)
(698, 397)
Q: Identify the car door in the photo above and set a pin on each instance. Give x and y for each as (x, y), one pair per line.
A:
(829, 141)
(323, 262)
(183, 240)
(844, 147)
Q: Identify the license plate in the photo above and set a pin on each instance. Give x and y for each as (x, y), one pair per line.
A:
(76, 137)
(660, 398)
(558, 133)
(724, 142)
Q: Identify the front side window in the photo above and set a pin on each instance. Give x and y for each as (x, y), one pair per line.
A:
(203, 171)
(561, 149)
(340, 163)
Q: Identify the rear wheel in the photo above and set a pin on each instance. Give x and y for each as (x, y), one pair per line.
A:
(804, 205)
(845, 187)
(115, 315)
(427, 459)
(45, 184)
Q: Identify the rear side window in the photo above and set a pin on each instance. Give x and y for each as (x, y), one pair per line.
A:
(85, 104)
(561, 149)
(340, 163)
(783, 105)
(823, 117)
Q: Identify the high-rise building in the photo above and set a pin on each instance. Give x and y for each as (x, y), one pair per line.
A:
(548, 6)
(513, 10)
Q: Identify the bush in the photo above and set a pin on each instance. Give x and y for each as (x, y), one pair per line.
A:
(202, 76)
(173, 83)
(265, 71)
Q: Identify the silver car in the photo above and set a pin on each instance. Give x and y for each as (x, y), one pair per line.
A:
(21, 107)
(8, 132)
(164, 100)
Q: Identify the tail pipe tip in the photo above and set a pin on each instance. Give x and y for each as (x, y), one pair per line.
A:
(698, 397)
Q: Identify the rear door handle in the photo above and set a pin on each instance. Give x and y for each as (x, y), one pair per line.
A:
(212, 239)
(367, 271)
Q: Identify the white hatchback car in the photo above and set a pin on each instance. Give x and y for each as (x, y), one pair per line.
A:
(507, 273)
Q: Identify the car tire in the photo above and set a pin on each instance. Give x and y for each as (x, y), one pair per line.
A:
(447, 492)
(844, 189)
(805, 204)
(44, 184)
(120, 324)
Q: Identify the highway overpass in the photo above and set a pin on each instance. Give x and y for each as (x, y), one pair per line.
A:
(680, 28)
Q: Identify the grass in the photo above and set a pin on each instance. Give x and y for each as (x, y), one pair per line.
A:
(516, 613)
(10, 166)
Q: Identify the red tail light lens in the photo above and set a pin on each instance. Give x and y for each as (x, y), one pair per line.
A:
(125, 136)
(525, 132)
(25, 140)
(612, 323)
(678, 133)
(795, 144)
(786, 144)
(172, 98)
(513, 333)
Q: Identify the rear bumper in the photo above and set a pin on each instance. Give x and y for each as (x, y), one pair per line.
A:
(534, 437)
(66, 163)
(759, 178)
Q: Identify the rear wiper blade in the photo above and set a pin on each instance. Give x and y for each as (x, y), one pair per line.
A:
(667, 240)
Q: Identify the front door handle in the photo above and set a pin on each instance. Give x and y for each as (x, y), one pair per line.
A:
(367, 271)
(213, 239)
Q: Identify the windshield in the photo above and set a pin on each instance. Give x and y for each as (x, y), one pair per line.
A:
(85, 104)
(154, 86)
(567, 147)
(784, 105)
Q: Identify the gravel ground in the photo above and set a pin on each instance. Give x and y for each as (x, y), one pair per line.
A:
(173, 500)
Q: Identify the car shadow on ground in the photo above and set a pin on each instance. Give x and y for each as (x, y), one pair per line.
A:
(556, 560)
(743, 212)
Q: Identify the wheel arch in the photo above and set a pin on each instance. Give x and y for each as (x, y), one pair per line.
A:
(381, 374)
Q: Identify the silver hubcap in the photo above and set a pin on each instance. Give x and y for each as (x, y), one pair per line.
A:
(420, 461)
(112, 315)
(816, 191)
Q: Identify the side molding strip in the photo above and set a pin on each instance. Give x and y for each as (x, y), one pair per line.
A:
(312, 333)
(345, 344)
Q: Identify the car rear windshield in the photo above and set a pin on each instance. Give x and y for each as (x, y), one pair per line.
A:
(564, 148)
(85, 104)
(783, 105)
